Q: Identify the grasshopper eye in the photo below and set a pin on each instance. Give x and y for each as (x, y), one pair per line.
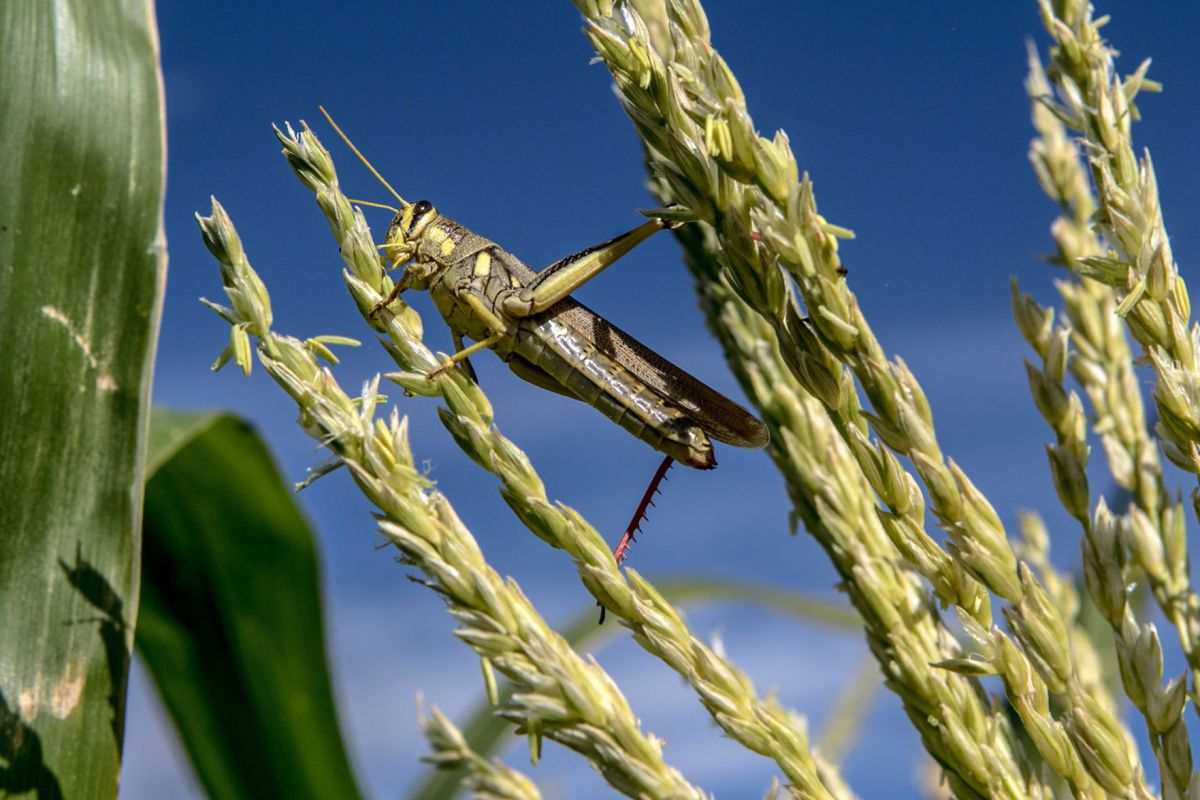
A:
(421, 211)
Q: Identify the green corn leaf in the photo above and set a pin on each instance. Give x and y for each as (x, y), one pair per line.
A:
(230, 624)
(82, 265)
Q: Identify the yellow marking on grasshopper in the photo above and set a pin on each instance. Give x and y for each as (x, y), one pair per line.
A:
(483, 265)
(406, 218)
(448, 247)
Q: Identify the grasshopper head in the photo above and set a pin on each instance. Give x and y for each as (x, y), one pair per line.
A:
(402, 238)
(404, 234)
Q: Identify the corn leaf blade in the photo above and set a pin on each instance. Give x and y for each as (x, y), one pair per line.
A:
(82, 265)
(230, 626)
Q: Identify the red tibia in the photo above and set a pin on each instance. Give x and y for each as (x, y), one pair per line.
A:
(640, 515)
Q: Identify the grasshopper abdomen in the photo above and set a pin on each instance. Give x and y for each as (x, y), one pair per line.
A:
(559, 351)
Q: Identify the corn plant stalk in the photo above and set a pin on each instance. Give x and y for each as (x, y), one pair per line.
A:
(972, 741)
(759, 724)
(487, 780)
(559, 695)
(1101, 362)
(701, 143)
(1136, 265)
(1092, 667)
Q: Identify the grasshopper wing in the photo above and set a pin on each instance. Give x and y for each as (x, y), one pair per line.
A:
(723, 419)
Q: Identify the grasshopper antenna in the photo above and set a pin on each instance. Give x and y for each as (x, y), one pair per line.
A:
(639, 516)
(358, 202)
(363, 158)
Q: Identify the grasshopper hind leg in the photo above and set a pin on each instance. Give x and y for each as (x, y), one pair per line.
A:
(639, 516)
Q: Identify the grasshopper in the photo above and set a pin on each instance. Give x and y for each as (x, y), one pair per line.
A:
(529, 320)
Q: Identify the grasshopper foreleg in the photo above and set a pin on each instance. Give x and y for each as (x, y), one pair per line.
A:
(385, 302)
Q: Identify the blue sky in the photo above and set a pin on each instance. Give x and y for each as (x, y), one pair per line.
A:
(912, 121)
